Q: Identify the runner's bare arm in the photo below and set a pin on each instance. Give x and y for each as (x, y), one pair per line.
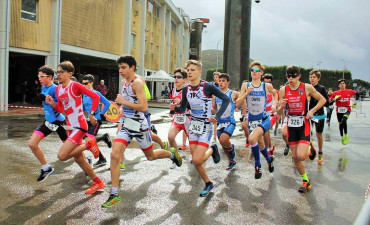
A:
(243, 94)
(282, 101)
(271, 89)
(138, 87)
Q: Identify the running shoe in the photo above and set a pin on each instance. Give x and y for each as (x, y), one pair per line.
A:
(165, 143)
(183, 147)
(122, 166)
(258, 172)
(320, 159)
(152, 128)
(206, 190)
(173, 165)
(177, 158)
(100, 162)
(247, 144)
(215, 154)
(112, 200)
(95, 187)
(346, 139)
(312, 151)
(231, 165)
(286, 150)
(271, 164)
(306, 185)
(45, 174)
(92, 145)
(107, 140)
(342, 139)
(232, 153)
(271, 152)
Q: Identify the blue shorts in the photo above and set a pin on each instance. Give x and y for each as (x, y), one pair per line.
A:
(265, 124)
(229, 130)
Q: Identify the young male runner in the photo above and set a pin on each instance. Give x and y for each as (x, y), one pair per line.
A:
(226, 123)
(135, 125)
(181, 121)
(88, 81)
(330, 107)
(296, 95)
(199, 96)
(53, 121)
(259, 123)
(267, 78)
(319, 121)
(216, 76)
(69, 94)
(342, 99)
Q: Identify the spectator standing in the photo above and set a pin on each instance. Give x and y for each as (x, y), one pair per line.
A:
(102, 88)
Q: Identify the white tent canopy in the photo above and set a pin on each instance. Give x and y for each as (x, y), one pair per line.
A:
(159, 76)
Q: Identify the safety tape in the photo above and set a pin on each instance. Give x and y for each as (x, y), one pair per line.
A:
(21, 106)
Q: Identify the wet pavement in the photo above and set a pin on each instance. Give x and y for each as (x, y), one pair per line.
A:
(154, 194)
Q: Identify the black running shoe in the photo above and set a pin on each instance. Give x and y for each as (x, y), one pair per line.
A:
(45, 174)
(258, 172)
(286, 150)
(215, 154)
(152, 128)
(100, 162)
(271, 164)
(107, 140)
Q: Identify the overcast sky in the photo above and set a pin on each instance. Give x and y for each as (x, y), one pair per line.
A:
(301, 32)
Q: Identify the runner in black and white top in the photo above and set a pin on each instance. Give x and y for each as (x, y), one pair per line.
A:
(199, 96)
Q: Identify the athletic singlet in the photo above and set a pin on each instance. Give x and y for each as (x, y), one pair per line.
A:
(228, 115)
(87, 102)
(70, 98)
(297, 100)
(256, 102)
(129, 94)
(269, 102)
(50, 113)
(344, 99)
(200, 104)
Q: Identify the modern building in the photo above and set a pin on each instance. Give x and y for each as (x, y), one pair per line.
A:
(92, 34)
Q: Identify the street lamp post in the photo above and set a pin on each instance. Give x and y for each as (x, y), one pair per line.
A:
(217, 53)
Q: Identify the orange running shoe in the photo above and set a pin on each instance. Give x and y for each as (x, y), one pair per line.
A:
(306, 185)
(92, 145)
(95, 187)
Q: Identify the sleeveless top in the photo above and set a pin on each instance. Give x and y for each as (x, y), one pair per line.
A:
(50, 113)
(200, 104)
(256, 102)
(297, 100)
(228, 115)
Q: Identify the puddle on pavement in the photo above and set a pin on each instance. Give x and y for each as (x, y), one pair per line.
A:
(18, 127)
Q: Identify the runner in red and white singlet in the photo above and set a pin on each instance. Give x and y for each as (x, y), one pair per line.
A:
(69, 96)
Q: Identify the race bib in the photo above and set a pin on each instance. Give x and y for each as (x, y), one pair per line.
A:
(132, 124)
(51, 126)
(196, 127)
(342, 109)
(180, 118)
(295, 121)
(253, 124)
(223, 125)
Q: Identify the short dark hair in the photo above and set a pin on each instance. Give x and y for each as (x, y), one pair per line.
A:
(67, 66)
(293, 69)
(73, 78)
(342, 80)
(88, 77)
(268, 76)
(317, 73)
(47, 70)
(128, 59)
(182, 71)
(224, 75)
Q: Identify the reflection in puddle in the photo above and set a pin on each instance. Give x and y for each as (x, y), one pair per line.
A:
(342, 163)
(327, 137)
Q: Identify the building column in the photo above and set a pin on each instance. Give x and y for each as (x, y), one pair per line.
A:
(186, 46)
(126, 36)
(180, 46)
(53, 58)
(4, 53)
(141, 63)
(162, 16)
(168, 44)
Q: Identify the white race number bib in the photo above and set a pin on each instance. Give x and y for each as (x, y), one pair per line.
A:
(180, 118)
(196, 127)
(253, 124)
(295, 121)
(51, 126)
(342, 109)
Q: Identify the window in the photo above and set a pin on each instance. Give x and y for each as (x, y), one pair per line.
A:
(29, 10)
(157, 11)
(132, 40)
(173, 27)
(150, 6)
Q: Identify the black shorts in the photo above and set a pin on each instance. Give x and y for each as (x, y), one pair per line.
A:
(340, 116)
(319, 126)
(93, 129)
(46, 128)
(298, 135)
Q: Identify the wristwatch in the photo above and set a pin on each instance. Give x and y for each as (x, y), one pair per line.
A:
(92, 113)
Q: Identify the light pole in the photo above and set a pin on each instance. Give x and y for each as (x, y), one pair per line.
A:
(344, 66)
(217, 53)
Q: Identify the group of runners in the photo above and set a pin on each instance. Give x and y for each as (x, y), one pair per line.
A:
(200, 109)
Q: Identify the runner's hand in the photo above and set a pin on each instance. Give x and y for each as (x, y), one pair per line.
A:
(172, 106)
(120, 99)
(120, 112)
(212, 120)
(309, 114)
(49, 100)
